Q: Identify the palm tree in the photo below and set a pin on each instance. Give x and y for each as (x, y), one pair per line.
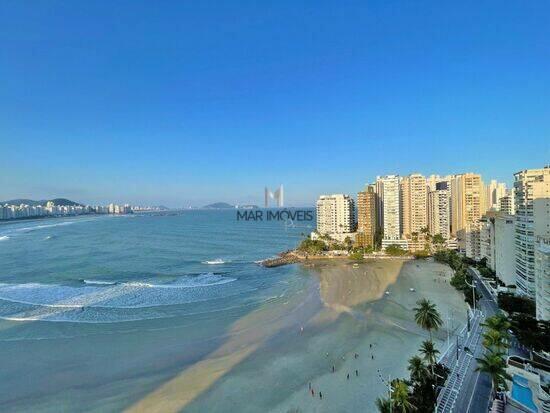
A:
(427, 316)
(494, 365)
(417, 369)
(498, 322)
(383, 405)
(428, 350)
(401, 399)
(495, 340)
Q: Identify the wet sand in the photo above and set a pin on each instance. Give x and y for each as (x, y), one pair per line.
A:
(268, 364)
(253, 359)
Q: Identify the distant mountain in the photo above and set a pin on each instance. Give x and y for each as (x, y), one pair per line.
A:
(248, 206)
(219, 205)
(56, 201)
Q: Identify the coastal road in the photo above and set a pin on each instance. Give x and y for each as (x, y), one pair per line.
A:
(476, 389)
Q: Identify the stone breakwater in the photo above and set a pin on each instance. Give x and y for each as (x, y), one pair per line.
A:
(294, 256)
(284, 258)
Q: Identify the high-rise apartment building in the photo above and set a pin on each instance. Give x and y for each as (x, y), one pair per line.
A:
(335, 214)
(467, 202)
(505, 248)
(529, 185)
(507, 203)
(366, 216)
(541, 233)
(494, 191)
(414, 205)
(439, 209)
(387, 188)
(405, 207)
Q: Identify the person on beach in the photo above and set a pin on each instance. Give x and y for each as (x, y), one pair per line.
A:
(333, 369)
(357, 373)
(372, 356)
(312, 393)
(348, 376)
(320, 395)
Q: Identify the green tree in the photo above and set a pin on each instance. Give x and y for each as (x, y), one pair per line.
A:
(383, 404)
(498, 322)
(348, 243)
(417, 369)
(356, 256)
(428, 350)
(395, 250)
(495, 340)
(494, 365)
(427, 316)
(401, 398)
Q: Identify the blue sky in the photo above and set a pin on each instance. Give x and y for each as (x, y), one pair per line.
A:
(183, 103)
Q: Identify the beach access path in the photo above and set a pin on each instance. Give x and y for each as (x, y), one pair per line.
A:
(476, 389)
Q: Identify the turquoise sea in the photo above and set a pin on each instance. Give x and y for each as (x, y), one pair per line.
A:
(170, 312)
(81, 298)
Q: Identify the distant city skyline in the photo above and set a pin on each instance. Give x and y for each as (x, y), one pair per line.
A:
(188, 104)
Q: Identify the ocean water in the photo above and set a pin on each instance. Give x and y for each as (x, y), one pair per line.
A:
(128, 268)
(126, 301)
(171, 313)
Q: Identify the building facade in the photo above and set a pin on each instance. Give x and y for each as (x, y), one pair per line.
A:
(335, 214)
(366, 217)
(529, 184)
(439, 208)
(389, 200)
(505, 249)
(541, 232)
(507, 203)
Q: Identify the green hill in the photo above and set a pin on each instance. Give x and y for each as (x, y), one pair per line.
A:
(56, 201)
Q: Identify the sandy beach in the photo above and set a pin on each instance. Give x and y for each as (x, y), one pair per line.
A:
(257, 344)
(269, 363)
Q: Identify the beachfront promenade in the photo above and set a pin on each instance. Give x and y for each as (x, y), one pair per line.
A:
(471, 393)
(459, 362)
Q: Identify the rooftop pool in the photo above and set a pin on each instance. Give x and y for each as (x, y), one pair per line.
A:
(522, 393)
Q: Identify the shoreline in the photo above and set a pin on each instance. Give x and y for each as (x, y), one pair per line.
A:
(294, 257)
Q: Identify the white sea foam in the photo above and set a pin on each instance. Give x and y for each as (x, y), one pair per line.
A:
(217, 261)
(36, 227)
(4, 238)
(132, 294)
(98, 282)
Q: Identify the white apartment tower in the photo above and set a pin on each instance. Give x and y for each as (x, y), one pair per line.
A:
(387, 188)
(507, 203)
(505, 249)
(439, 210)
(335, 214)
(414, 204)
(529, 185)
(541, 232)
